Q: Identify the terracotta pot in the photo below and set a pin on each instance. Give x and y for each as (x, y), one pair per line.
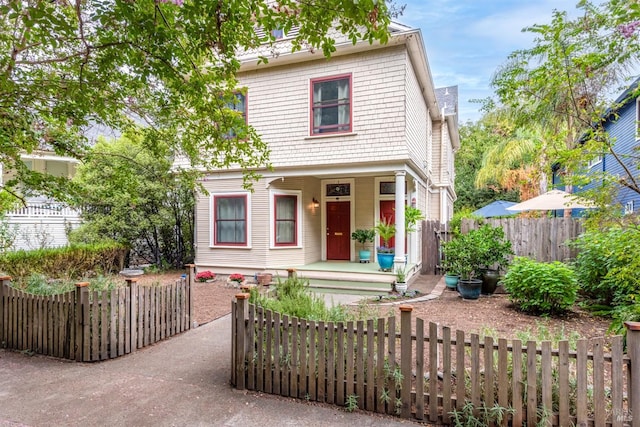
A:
(265, 279)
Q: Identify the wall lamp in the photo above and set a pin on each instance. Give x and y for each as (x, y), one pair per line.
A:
(316, 203)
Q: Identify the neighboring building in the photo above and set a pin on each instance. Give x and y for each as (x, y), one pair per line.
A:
(353, 139)
(42, 222)
(622, 124)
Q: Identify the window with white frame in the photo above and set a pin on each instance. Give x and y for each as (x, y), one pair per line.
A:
(238, 103)
(285, 214)
(331, 105)
(230, 219)
(638, 118)
(594, 161)
(628, 207)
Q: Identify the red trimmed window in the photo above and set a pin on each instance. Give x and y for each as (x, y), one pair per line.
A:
(331, 105)
(286, 220)
(230, 220)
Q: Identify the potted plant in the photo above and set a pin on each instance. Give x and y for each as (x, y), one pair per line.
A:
(386, 230)
(235, 280)
(401, 280)
(411, 217)
(465, 253)
(364, 236)
(205, 276)
(495, 252)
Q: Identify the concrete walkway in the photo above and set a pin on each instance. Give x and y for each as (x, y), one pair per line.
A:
(183, 381)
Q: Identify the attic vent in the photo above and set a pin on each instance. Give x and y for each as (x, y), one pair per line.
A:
(278, 34)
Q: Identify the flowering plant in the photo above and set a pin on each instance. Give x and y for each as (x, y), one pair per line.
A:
(236, 277)
(203, 276)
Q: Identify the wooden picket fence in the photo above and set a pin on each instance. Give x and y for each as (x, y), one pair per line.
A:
(369, 364)
(88, 326)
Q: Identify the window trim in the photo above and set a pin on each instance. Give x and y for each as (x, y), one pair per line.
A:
(637, 123)
(273, 194)
(325, 79)
(212, 219)
(595, 161)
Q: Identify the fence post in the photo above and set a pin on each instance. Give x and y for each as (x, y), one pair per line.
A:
(633, 350)
(405, 361)
(4, 282)
(241, 339)
(191, 276)
(132, 284)
(80, 309)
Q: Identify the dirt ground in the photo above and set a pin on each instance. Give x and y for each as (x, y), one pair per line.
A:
(496, 313)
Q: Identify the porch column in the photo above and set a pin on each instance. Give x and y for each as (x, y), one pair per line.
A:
(399, 259)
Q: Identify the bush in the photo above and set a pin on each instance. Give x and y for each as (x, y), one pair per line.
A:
(38, 284)
(607, 264)
(71, 262)
(541, 288)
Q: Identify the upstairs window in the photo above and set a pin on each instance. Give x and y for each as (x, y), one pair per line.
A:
(286, 220)
(278, 33)
(331, 105)
(238, 103)
(230, 220)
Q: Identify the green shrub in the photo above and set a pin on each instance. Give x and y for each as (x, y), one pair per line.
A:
(293, 298)
(607, 264)
(72, 262)
(541, 288)
(39, 284)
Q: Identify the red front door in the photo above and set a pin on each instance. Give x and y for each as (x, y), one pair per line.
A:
(388, 211)
(338, 226)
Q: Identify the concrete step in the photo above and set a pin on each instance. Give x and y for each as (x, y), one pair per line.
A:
(349, 287)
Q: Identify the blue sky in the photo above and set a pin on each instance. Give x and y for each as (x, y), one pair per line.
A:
(467, 40)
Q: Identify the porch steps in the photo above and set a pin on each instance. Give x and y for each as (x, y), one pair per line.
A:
(349, 287)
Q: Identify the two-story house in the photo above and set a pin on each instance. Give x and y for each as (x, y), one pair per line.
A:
(353, 139)
(42, 222)
(622, 125)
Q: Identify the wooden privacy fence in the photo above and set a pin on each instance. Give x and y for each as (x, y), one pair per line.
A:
(87, 326)
(428, 373)
(434, 233)
(543, 239)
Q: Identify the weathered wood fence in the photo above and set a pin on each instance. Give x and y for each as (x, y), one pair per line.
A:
(427, 374)
(543, 239)
(87, 326)
(434, 233)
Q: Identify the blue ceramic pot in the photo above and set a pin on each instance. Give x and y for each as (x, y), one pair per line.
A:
(470, 289)
(385, 261)
(451, 281)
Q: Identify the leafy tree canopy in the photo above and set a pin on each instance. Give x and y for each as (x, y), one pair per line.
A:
(128, 194)
(69, 66)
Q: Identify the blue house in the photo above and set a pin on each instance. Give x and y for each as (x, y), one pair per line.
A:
(621, 123)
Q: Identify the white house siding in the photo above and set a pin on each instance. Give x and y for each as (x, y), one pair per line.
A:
(41, 232)
(417, 118)
(259, 256)
(278, 107)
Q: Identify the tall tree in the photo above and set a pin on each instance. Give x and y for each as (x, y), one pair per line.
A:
(67, 66)
(475, 139)
(129, 194)
(563, 82)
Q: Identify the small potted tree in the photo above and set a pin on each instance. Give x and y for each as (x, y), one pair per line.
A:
(464, 252)
(495, 252)
(386, 230)
(364, 236)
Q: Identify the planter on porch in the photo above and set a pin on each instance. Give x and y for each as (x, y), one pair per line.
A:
(385, 261)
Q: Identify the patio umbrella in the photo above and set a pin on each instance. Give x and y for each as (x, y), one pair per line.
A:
(496, 208)
(553, 200)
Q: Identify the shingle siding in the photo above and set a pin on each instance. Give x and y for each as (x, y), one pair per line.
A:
(378, 80)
